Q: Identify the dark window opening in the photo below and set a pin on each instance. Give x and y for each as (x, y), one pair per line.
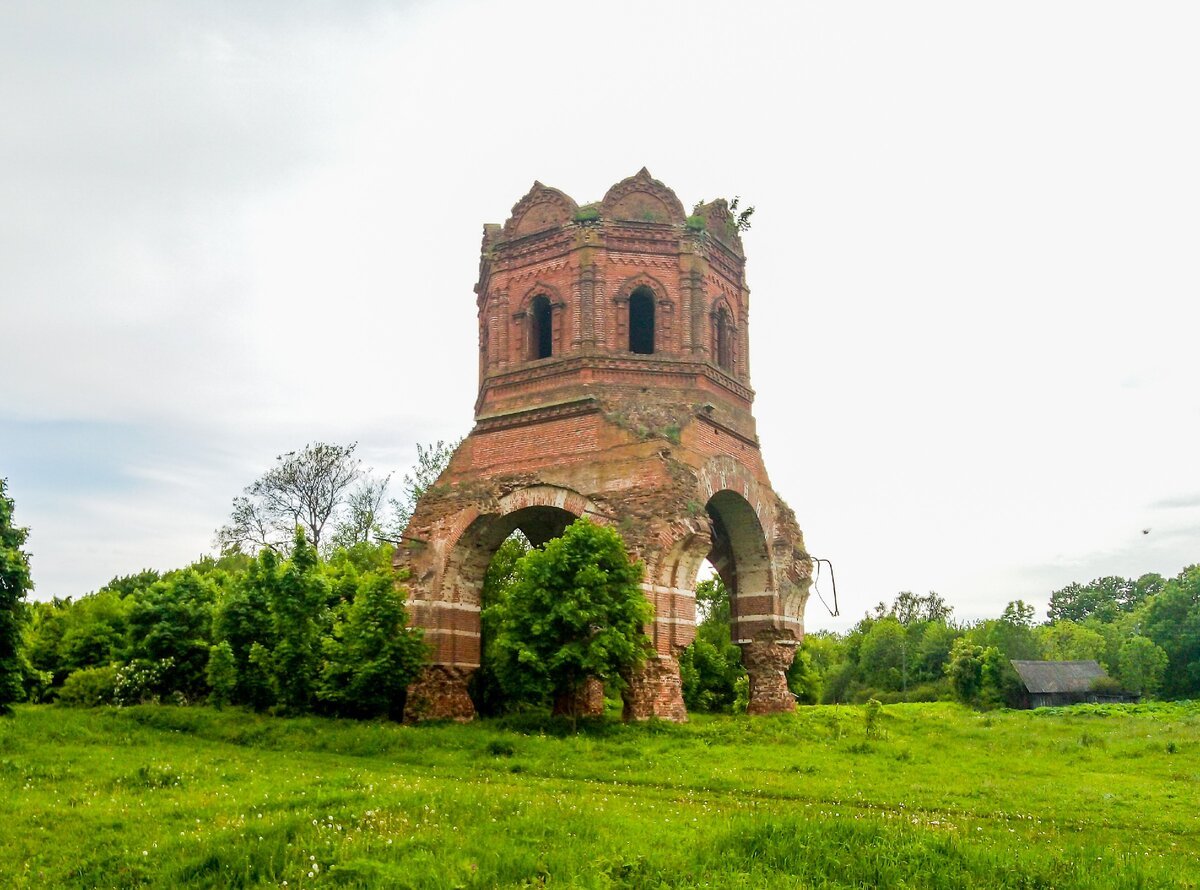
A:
(543, 331)
(724, 347)
(641, 321)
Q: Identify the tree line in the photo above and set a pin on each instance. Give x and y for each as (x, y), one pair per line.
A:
(319, 625)
(316, 621)
(1144, 632)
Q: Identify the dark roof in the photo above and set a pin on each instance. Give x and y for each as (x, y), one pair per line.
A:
(1058, 676)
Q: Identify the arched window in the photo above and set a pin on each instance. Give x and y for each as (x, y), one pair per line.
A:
(641, 321)
(724, 337)
(541, 341)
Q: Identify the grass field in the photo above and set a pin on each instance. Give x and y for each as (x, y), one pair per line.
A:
(1104, 797)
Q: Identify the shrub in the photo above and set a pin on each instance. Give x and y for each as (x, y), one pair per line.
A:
(90, 687)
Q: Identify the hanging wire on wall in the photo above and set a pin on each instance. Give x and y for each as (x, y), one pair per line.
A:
(832, 580)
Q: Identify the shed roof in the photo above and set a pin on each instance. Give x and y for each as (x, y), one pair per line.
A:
(1058, 676)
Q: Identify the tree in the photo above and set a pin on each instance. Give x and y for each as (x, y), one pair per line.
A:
(1067, 641)
(305, 488)
(575, 611)
(883, 655)
(1141, 665)
(173, 623)
(965, 670)
(1104, 598)
(909, 609)
(432, 460)
(372, 655)
(363, 519)
(711, 666)
(222, 674)
(298, 599)
(1172, 621)
(485, 689)
(1018, 613)
(15, 582)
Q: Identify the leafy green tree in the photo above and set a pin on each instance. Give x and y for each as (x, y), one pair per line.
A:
(173, 620)
(1172, 621)
(486, 691)
(372, 655)
(299, 605)
(257, 680)
(575, 610)
(222, 674)
(710, 667)
(1018, 613)
(908, 608)
(933, 650)
(242, 618)
(15, 582)
(1104, 598)
(1067, 641)
(883, 655)
(1012, 636)
(1142, 664)
(965, 670)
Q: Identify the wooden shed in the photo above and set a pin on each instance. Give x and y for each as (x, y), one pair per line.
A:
(1050, 683)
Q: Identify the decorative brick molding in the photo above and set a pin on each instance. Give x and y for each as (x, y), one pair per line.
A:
(660, 445)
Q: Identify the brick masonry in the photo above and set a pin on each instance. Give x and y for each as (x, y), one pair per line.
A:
(659, 443)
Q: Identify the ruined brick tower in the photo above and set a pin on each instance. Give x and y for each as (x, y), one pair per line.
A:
(614, 383)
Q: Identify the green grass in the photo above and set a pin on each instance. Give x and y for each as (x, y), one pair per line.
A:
(1102, 797)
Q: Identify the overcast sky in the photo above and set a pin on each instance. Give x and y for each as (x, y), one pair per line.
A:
(230, 229)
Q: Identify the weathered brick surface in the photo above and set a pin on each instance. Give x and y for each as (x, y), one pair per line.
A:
(655, 690)
(660, 445)
(767, 662)
(440, 693)
(587, 701)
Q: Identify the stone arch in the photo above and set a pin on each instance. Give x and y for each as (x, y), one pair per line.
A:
(642, 198)
(742, 558)
(671, 583)
(542, 208)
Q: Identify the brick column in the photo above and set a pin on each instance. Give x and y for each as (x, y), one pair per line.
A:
(766, 662)
(440, 693)
(655, 690)
(586, 701)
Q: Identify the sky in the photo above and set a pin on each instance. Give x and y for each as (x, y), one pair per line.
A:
(230, 229)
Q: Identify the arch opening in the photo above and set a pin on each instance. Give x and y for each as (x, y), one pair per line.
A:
(740, 557)
(641, 321)
(541, 341)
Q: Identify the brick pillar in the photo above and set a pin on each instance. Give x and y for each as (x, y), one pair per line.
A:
(440, 693)
(655, 690)
(586, 701)
(766, 662)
